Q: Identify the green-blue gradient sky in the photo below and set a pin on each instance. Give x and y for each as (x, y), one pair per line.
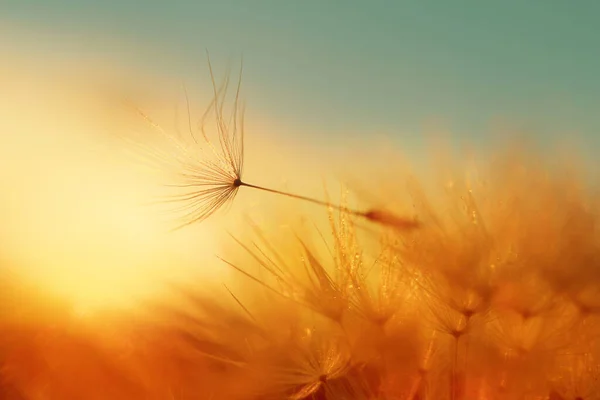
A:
(338, 67)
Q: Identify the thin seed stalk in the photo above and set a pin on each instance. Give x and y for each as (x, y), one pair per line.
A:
(373, 215)
(363, 214)
(454, 370)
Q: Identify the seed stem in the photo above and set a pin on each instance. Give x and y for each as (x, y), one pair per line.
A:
(454, 372)
(299, 197)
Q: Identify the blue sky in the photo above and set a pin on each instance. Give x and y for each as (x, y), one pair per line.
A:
(362, 67)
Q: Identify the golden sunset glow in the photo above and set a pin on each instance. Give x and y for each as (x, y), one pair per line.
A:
(78, 218)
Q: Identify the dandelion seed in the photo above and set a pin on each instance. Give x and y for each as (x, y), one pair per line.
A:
(211, 184)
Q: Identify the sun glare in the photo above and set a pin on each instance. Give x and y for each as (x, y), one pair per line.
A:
(76, 218)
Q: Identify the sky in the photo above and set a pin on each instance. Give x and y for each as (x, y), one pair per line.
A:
(332, 70)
